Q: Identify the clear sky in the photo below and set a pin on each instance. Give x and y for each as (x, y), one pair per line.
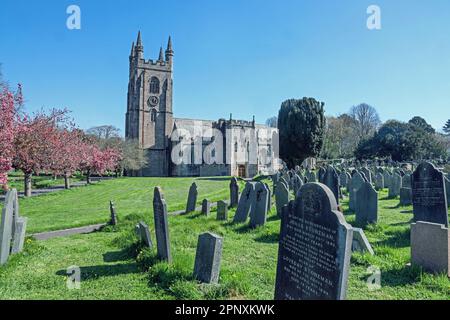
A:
(233, 56)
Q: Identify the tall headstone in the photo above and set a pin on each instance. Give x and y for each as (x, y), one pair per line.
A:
(430, 247)
(112, 210)
(330, 178)
(192, 198)
(222, 210)
(395, 185)
(234, 192)
(269, 203)
(379, 181)
(281, 197)
(343, 179)
(406, 181)
(387, 179)
(245, 203)
(367, 174)
(405, 196)
(161, 225)
(206, 207)
(314, 249)
(208, 258)
(428, 195)
(366, 206)
(6, 226)
(355, 183)
(297, 183)
(258, 214)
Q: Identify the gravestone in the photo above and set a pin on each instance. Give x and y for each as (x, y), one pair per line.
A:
(428, 195)
(206, 207)
(145, 236)
(112, 210)
(311, 176)
(234, 192)
(281, 197)
(367, 174)
(360, 242)
(258, 214)
(314, 249)
(6, 226)
(447, 190)
(349, 178)
(387, 179)
(269, 203)
(19, 235)
(405, 196)
(379, 181)
(406, 181)
(297, 183)
(161, 225)
(343, 179)
(355, 183)
(245, 203)
(222, 211)
(366, 205)
(208, 257)
(430, 247)
(330, 178)
(321, 174)
(192, 198)
(395, 185)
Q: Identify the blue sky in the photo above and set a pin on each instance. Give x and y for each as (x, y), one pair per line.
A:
(238, 56)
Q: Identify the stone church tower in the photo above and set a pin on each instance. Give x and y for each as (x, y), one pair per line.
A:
(149, 117)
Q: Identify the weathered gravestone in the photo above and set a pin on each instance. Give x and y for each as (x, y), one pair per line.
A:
(161, 225)
(281, 197)
(297, 183)
(222, 211)
(144, 234)
(379, 181)
(320, 174)
(192, 198)
(245, 203)
(311, 176)
(430, 247)
(208, 257)
(428, 195)
(269, 203)
(258, 213)
(314, 249)
(387, 179)
(355, 183)
(330, 178)
(360, 242)
(367, 174)
(206, 207)
(405, 196)
(343, 179)
(234, 192)
(366, 205)
(112, 210)
(407, 181)
(6, 226)
(395, 185)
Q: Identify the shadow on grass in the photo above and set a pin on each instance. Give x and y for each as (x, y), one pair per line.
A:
(397, 239)
(215, 179)
(114, 256)
(194, 215)
(95, 272)
(400, 277)
(273, 218)
(268, 238)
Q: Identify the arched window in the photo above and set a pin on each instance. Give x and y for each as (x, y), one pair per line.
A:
(153, 115)
(235, 147)
(154, 85)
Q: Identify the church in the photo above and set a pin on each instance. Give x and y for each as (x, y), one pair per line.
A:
(189, 147)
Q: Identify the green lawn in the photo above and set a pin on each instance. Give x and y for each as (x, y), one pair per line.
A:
(114, 266)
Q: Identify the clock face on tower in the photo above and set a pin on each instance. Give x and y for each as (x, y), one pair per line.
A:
(153, 101)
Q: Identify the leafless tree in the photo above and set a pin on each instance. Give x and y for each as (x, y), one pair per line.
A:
(104, 132)
(366, 120)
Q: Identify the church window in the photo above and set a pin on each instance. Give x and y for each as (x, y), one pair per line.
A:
(154, 85)
(235, 147)
(153, 115)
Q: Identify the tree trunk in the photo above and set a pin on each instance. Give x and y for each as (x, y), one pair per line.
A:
(66, 181)
(88, 177)
(27, 185)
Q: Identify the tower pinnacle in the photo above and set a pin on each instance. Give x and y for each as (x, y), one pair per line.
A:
(169, 51)
(161, 55)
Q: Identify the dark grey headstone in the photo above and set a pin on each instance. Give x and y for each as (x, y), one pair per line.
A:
(429, 195)
(331, 179)
(355, 183)
(366, 206)
(406, 181)
(208, 257)
(447, 190)
(269, 203)
(222, 211)
(379, 181)
(258, 214)
(234, 192)
(206, 207)
(297, 183)
(112, 210)
(343, 179)
(245, 203)
(314, 249)
(161, 225)
(192, 198)
(6, 226)
(395, 185)
(281, 197)
(311, 176)
(387, 179)
(405, 196)
(367, 174)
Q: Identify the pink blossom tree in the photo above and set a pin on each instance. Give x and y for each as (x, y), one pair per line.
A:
(7, 131)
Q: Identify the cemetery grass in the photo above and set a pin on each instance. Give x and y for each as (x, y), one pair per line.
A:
(115, 266)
